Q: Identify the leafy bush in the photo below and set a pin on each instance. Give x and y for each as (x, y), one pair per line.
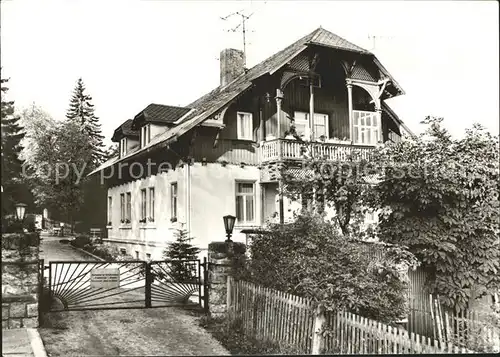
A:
(80, 227)
(439, 197)
(310, 258)
(81, 241)
(104, 251)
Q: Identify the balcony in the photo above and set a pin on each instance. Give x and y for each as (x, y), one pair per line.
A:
(287, 149)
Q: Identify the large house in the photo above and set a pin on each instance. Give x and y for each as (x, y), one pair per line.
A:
(187, 167)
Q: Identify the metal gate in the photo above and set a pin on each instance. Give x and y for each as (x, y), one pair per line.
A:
(91, 285)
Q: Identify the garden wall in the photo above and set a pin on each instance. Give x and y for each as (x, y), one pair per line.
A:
(20, 280)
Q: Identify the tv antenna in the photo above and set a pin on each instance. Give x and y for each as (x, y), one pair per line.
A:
(374, 39)
(242, 25)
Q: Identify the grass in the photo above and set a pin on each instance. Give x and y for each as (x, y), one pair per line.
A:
(230, 334)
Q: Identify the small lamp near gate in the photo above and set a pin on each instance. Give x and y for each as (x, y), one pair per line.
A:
(229, 225)
(20, 211)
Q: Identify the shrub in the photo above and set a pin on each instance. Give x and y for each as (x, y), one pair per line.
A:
(80, 227)
(310, 258)
(179, 250)
(104, 251)
(231, 335)
(81, 241)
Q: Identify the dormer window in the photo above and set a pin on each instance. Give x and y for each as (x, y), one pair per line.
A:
(123, 147)
(145, 135)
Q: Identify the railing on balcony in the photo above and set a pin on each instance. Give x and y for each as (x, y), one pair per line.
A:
(286, 149)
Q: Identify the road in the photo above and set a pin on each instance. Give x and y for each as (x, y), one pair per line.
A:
(140, 332)
(52, 250)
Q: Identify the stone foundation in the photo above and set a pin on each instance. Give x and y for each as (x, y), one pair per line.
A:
(225, 259)
(20, 280)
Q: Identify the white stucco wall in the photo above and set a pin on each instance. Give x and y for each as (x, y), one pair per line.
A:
(159, 232)
(213, 189)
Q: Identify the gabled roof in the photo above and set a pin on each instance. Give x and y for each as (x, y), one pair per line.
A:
(387, 109)
(211, 103)
(125, 130)
(159, 113)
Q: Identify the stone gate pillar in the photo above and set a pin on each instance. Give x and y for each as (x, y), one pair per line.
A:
(225, 259)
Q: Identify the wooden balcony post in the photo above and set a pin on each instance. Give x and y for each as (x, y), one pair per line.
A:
(281, 203)
(380, 138)
(279, 97)
(349, 104)
(311, 110)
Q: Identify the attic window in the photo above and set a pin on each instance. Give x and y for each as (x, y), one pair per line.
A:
(145, 135)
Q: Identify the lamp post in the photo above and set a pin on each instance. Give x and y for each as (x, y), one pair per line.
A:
(20, 212)
(229, 225)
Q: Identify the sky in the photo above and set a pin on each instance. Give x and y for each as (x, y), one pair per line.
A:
(131, 53)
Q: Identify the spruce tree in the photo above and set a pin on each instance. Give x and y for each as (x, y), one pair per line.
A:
(81, 111)
(111, 152)
(13, 186)
(180, 252)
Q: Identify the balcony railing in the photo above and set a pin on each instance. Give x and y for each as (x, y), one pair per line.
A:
(286, 149)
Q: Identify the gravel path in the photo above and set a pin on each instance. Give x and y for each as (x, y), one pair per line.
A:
(138, 332)
(52, 250)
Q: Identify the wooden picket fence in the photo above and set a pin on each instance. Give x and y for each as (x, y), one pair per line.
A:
(292, 323)
(271, 315)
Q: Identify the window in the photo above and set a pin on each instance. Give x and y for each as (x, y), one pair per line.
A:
(152, 204)
(136, 255)
(145, 135)
(365, 127)
(301, 120)
(110, 205)
(123, 251)
(320, 125)
(122, 208)
(128, 201)
(148, 256)
(301, 123)
(245, 198)
(143, 205)
(244, 126)
(371, 217)
(123, 147)
(173, 200)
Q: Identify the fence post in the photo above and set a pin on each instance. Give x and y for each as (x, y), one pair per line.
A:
(206, 286)
(148, 282)
(41, 268)
(318, 338)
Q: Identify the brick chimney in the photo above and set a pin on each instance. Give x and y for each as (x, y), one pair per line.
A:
(232, 64)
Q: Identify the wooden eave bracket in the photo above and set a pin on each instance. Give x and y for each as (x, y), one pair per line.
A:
(382, 88)
(219, 123)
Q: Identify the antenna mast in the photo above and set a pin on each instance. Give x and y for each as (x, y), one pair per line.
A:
(244, 19)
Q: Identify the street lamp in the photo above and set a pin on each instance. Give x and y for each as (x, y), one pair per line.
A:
(20, 211)
(229, 225)
(61, 224)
